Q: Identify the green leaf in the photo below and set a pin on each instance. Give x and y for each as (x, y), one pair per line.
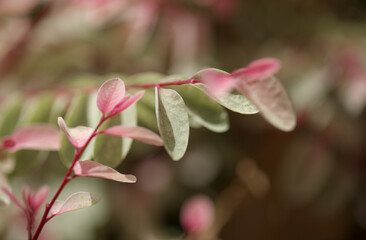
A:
(146, 110)
(111, 150)
(37, 111)
(10, 115)
(203, 109)
(108, 149)
(129, 118)
(173, 122)
(76, 116)
(234, 101)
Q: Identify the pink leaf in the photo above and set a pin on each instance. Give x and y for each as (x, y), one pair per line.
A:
(110, 94)
(137, 133)
(77, 136)
(197, 214)
(74, 202)
(93, 169)
(127, 101)
(259, 69)
(268, 95)
(39, 198)
(218, 83)
(34, 137)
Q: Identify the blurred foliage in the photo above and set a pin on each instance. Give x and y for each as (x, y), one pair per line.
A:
(307, 184)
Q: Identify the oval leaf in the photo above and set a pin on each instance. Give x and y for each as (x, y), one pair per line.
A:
(203, 109)
(173, 122)
(259, 69)
(93, 169)
(74, 202)
(110, 94)
(234, 101)
(34, 137)
(137, 133)
(108, 149)
(10, 115)
(271, 99)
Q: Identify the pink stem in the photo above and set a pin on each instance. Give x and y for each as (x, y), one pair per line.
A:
(66, 179)
(152, 85)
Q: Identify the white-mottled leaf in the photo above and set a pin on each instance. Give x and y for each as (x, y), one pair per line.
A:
(203, 109)
(173, 121)
(93, 169)
(271, 99)
(233, 101)
(74, 202)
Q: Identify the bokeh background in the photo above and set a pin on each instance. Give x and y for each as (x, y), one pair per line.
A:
(265, 184)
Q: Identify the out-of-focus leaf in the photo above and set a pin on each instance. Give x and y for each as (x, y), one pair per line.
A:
(75, 116)
(259, 69)
(10, 115)
(203, 109)
(38, 111)
(129, 118)
(93, 169)
(146, 110)
(172, 121)
(108, 149)
(110, 94)
(58, 109)
(34, 137)
(234, 101)
(74, 202)
(4, 198)
(271, 99)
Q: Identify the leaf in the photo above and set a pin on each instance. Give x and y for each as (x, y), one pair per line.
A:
(110, 94)
(10, 115)
(77, 136)
(74, 202)
(203, 109)
(271, 99)
(93, 169)
(34, 137)
(127, 101)
(138, 133)
(172, 121)
(111, 150)
(259, 69)
(234, 101)
(146, 110)
(129, 118)
(75, 116)
(38, 110)
(108, 149)
(4, 198)
(218, 83)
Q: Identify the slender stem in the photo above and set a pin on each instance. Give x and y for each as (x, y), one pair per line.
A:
(152, 85)
(66, 179)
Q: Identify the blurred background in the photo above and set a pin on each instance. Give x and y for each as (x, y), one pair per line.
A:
(264, 184)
